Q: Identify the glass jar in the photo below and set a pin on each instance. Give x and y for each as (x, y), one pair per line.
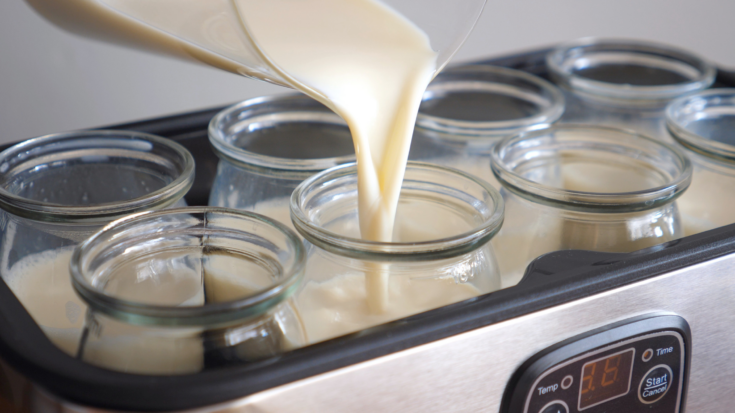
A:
(57, 190)
(181, 290)
(440, 252)
(268, 146)
(466, 110)
(703, 124)
(625, 83)
(585, 187)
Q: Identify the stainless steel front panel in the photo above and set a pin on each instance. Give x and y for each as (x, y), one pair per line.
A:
(469, 372)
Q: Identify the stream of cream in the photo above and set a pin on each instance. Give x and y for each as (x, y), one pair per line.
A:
(371, 66)
(360, 58)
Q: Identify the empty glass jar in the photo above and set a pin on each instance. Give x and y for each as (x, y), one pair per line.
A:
(625, 83)
(467, 109)
(181, 290)
(57, 190)
(704, 125)
(440, 252)
(588, 188)
(269, 145)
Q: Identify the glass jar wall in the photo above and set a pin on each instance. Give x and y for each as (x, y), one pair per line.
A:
(440, 252)
(57, 190)
(182, 290)
(588, 188)
(704, 125)
(625, 83)
(269, 145)
(467, 109)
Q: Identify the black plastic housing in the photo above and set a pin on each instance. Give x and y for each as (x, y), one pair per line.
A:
(523, 379)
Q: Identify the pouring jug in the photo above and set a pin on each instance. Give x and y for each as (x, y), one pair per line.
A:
(212, 31)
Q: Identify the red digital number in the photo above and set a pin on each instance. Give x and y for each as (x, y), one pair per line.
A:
(611, 368)
(588, 377)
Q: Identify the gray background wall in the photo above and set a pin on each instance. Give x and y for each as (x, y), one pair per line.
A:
(51, 81)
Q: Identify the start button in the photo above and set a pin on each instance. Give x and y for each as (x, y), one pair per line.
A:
(655, 384)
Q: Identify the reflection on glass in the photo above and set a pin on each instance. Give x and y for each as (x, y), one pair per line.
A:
(584, 187)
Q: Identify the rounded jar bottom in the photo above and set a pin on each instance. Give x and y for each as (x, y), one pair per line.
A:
(155, 350)
(335, 298)
(532, 230)
(194, 276)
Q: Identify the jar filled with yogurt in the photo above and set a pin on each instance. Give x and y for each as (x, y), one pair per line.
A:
(589, 188)
(268, 145)
(57, 190)
(182, 290)
(440, 253)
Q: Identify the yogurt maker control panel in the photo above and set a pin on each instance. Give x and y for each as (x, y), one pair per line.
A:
(638, 365)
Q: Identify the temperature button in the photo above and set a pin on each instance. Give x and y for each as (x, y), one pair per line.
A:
(655, 384)
(555, 407)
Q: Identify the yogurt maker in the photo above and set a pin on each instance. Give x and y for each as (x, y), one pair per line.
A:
(645, 331)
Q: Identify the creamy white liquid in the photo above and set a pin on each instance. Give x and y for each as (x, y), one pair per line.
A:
(371, 66)
(140, 350)
(707, 203)
(338, 306)
(165, 280)
(42, 283)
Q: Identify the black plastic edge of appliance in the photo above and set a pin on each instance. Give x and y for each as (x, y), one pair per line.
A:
(513, 401)
(25, 348)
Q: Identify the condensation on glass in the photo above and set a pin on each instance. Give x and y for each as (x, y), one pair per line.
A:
(269, 145)
(588, 188)
(184, 290)
(440, 252)
(57, 190)
(625, 83)
(466, 110)
(704, 124)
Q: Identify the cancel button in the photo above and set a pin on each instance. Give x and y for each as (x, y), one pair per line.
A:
(655, 384)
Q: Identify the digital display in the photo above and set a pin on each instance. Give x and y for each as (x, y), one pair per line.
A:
(606, 378)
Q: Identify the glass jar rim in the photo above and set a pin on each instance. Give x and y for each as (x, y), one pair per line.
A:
(463, 129)
(99, 213)
(396, 251)
(558, 63)
(594, 202)
(695, 142)
(242, 157)
(209, 314)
